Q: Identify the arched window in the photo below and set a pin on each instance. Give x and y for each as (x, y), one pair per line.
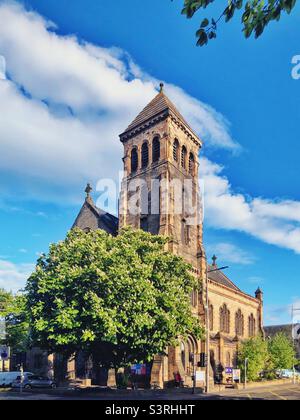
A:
(176, 150)
(145, 155)
(194, 298)
(183, 157)
(235, 360)
(239, 323)
(192, 164)
(156, 150)
(211, 317)
(251, 324)
(134, 160)
(228, 359)
(185, 233)
(224, 319)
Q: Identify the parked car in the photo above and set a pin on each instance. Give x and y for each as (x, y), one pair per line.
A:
(34, 381)
(7, 378)
(288, 373)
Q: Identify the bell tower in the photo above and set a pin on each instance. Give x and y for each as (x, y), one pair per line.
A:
(160, 190)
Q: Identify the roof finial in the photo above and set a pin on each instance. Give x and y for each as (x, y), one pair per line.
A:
(88, 190)
(161, 87)
(214, 258)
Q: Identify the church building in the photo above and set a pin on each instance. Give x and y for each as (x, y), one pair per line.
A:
(161, 194)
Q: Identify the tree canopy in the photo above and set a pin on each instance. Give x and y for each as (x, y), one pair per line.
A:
(256, 351)
(13, 314)
(266, 356)
(256, 15)
(282, 352)
(122, 299)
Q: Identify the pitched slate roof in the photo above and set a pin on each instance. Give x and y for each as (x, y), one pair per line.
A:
(160, 104)
(271, 331)
(91, 217)
(220, 278)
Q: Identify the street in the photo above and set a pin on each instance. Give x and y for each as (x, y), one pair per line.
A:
(281, 393)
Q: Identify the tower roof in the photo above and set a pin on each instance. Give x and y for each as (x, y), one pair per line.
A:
(160, 106)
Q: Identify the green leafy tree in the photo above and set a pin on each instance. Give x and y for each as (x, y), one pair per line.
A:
(257, 14)
(122, 299)
(14, 315)
(256, 351)
(282, 352)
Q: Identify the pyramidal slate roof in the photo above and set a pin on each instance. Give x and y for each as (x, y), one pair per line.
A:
(92, 218)
(220, 278)
(159, 105)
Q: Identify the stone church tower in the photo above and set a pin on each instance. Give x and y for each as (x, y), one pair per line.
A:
(160, 194)
(160, 191)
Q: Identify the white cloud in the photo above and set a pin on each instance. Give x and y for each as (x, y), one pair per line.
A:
(285, 210)
(206, 121)
(230, 253)
(274, 222)
(2, 68)
(13, 276)
(282, 314)
(66, 102)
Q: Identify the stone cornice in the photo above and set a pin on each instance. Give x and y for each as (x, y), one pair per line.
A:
(127, 135)
(185, 128)
(237, 292)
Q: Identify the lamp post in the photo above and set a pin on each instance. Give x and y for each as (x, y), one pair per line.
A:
(207, 319)
(294, 310)
(246, 366)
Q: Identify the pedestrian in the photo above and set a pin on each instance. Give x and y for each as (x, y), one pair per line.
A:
(178, 380)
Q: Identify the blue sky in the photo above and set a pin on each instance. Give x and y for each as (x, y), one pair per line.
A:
(68, 90)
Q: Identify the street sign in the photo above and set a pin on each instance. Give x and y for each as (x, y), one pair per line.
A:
(228, 375)
(4, 353)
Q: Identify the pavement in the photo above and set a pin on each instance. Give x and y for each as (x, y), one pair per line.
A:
(280, 392)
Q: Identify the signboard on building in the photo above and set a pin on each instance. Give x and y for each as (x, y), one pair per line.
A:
(140, 370)
(236, 375)
(200, 376)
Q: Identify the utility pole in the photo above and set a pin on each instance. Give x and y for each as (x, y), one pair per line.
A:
(207, 320)
(246, 366)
